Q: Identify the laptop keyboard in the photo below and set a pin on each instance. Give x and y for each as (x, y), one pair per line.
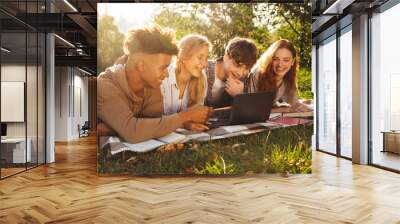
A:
(221, 118)
(222, 114)
(217, 124)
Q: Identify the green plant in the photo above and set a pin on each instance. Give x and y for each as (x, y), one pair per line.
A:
(216, 167)
(292, 159)
(304, 83)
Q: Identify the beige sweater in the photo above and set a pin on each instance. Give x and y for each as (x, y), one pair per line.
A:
(135, 119)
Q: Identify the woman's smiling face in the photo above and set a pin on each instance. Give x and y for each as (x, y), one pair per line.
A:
(197, 62)
(282, 61)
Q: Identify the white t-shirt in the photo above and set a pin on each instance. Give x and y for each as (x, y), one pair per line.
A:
(170, 92)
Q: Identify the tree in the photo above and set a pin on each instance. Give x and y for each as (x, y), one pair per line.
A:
(109, 43)
(293, 22)
(219, 22)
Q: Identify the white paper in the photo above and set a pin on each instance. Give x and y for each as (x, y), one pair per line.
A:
(172, 138)
(109, 140)
(269, 124)
(234, 128)
(274, 115)
(140, 147)
(198, 135)
(217, 137)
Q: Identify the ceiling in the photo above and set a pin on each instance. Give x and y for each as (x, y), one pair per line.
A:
(326, 13)
(74, 22)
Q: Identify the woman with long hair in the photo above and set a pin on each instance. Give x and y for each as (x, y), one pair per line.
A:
(186, 85)
(276, 70)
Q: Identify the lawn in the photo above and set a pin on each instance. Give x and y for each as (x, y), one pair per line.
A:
(282, 150)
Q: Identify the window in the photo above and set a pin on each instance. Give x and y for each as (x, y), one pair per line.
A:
(385, 85)
(22, 68)
(346, 95)
(327, 95)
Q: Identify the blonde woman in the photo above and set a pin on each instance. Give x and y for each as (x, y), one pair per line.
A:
(186, 85)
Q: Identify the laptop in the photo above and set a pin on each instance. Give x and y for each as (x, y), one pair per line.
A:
(246, 108)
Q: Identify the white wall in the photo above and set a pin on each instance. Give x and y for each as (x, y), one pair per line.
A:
(70, 84)
(12, 73)
(33, 127)
(61, 103)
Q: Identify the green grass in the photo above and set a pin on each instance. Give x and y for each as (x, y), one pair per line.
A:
(283, 150)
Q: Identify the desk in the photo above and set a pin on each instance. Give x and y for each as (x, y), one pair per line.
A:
(13, 150)
(391, 141)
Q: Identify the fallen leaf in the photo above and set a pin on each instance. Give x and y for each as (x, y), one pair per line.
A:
(180, 146)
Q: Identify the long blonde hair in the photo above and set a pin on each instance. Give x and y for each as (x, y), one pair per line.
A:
(187, 45)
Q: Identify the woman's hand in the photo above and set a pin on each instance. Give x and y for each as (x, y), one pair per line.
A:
(280, 110)
(301, 108)
(287, 108)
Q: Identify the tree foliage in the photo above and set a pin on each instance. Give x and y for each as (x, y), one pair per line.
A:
(293, 22)
(219, 22)
(108, 35)
(264, 23)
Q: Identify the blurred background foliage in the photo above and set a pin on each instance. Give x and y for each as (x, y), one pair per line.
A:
(220, 22)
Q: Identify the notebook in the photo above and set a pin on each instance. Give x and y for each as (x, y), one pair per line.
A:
(290, 121)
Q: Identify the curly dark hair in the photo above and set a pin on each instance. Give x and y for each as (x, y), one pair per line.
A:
(150, 40)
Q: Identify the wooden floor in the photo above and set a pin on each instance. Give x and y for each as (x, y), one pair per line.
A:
(387, 159)
(10, 171)
(70, 191)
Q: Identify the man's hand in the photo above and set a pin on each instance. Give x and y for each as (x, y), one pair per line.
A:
(196, 127)
(234, 86)
(197, 114)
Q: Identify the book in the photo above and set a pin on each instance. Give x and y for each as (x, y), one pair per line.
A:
(118, 146)
(299, 114)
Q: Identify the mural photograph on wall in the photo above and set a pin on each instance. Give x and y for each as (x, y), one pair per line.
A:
(204, 88)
